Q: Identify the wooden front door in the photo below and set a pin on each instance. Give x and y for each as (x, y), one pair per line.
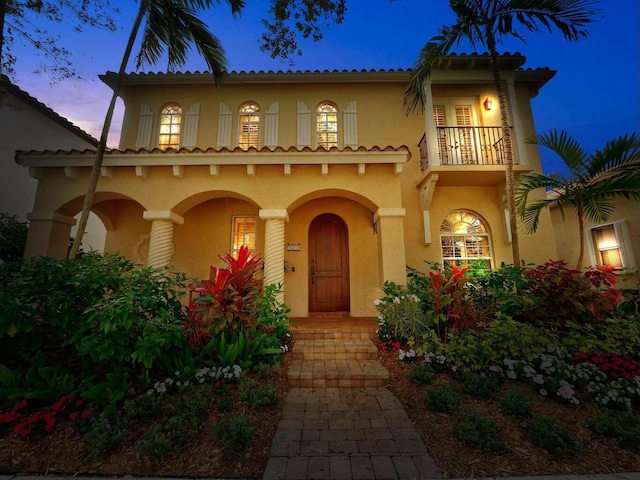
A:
(328, 264)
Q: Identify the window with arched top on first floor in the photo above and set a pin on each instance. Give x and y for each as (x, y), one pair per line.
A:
(249, 125)
(464, 238)
(170, 126)
(327, 125)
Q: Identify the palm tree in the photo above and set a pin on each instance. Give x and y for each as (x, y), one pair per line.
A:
(595, 181)
(484, 23)
(170, 24)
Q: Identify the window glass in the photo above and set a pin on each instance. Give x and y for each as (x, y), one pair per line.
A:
(170, 123)
(464, 238)
(249, 127)
(244, 234)
(327, 125)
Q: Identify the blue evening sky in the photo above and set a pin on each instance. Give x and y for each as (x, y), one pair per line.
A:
(594, 96)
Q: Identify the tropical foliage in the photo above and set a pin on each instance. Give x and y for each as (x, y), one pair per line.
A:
(595, 180)
(484, 24)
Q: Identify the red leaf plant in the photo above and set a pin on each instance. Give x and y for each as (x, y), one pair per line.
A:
(226, 301)
(613, 365)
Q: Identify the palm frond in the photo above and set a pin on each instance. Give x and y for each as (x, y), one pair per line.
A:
(566, 147)
(568, 16)
(621, 155)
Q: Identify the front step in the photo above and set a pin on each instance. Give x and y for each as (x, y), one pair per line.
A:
(329, 353)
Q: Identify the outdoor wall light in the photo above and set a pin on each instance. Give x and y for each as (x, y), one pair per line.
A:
(488, 104)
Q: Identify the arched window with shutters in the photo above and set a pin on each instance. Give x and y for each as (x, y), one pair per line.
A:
(249, 125)
(464, 237)
(327, 125)
(170, 126)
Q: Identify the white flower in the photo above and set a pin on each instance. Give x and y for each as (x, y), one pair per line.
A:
(377, 302)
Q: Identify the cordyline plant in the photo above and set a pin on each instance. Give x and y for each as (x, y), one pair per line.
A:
(446, 295)
(227, 301)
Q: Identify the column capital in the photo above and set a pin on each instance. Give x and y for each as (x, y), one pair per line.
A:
(390, 212)
(163, 215)
(280, 214)
(51, 217)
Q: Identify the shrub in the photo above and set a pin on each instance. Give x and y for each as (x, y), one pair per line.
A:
(155, 444)
(257, 395)
(235, 433)
(552, 435)
(564, 295)
(479, 430)
(105, 435)
(442, 399)
(623, 426)
(421, 373)
(479, 385)
(401, 315)
(13, 237)
(515, 403)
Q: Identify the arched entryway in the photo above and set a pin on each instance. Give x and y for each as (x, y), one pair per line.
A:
(328, 264)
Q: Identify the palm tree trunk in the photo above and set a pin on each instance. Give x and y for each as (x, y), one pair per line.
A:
(102, 145)
(3, 13)
(508, 150)
(580, 213)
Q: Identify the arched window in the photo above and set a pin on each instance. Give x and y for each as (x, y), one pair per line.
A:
(249, 126)
(170, 126)
(327, 125)
(464, 238)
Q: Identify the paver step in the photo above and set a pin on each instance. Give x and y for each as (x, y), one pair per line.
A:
(335, 349)
(330, 373)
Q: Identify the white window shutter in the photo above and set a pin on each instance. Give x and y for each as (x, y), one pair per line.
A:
(190, 131)
(589, 246)
(351, 125)
(304, 126)
(145, 123)
(224, 126)
(271, 125)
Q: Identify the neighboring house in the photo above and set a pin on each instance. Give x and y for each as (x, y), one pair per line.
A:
(320, 172)
(615, 243)
(28, 124)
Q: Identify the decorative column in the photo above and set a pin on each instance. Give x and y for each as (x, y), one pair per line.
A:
(517, 137)
(161, 246)
(274, 247)
(391, 251)
(49, 234)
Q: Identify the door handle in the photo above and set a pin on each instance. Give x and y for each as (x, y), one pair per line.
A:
(313, 275)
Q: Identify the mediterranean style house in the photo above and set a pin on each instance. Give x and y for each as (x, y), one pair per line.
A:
(29, 124)
(321, 173)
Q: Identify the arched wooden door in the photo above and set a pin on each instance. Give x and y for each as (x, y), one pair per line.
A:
(328, 264)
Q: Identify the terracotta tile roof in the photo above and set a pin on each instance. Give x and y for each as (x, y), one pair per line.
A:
(33, 102)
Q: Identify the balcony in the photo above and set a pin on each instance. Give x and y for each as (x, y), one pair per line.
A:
(465, 146)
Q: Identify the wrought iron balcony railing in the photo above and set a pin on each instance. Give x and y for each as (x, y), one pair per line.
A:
(465, 146)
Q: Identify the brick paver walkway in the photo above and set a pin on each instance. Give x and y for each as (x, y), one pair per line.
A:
(347, 433)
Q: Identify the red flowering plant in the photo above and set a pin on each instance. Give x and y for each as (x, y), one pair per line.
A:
(226, 302)
(41, 424)
(8, 418)
(613, 365)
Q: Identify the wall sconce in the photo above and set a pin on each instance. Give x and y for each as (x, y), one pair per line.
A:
(488, 104)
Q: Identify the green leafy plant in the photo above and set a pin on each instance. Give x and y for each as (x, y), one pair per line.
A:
(13, 237)
(443, 399)
(235, 433)
(478, 430)
(104, 435)
(479, 385)
(256, 394)
(515, 403)
(156, 444)
(421, 373)
(624, 426)
(400, 314)
(552, 435)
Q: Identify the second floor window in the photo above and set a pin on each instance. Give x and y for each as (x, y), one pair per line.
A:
(170, 127)
(249, 126)
(327, 125)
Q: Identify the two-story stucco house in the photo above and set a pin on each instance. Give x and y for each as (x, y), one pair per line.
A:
(319, 172)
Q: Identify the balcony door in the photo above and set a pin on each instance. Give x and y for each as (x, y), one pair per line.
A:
(456, 141)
